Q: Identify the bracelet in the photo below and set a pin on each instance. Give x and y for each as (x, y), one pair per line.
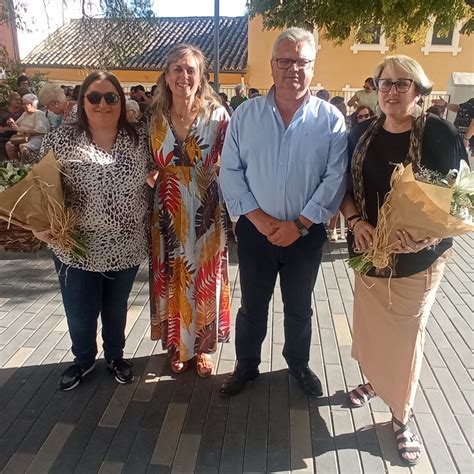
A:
(351, 218)
(353, 225)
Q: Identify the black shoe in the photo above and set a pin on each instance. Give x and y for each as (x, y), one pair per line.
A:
(307, 380)
(73, 376)
(122, 370)
(237, 380)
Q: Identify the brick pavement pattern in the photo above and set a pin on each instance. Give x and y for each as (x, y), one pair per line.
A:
(180, 424)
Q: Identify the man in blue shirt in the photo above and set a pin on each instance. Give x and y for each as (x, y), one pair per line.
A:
(283, 172)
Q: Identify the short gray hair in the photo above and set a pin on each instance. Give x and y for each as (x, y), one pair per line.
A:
(31, 98)
(296, 35)
(239, 87)
(51, 92)
(131, 104)
(413, 68)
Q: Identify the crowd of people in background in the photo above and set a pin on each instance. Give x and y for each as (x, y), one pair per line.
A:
(21, 141)
(30, 114)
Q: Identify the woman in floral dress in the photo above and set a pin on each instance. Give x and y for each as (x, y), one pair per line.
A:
(189, 284)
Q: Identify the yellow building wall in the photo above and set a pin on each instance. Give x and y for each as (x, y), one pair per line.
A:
(337, 66)
(126, 77)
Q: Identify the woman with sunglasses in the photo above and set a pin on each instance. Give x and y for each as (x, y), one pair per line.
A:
(362, 113)
(389, 316)
(105, 161)
(189, 284)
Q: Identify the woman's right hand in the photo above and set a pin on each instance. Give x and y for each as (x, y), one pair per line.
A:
(44, 236)
(363, 235)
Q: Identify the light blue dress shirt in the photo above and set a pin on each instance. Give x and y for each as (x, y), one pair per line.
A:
(300, 170)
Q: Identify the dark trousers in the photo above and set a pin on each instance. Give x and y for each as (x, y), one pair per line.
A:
(259, 264)
(85, 295)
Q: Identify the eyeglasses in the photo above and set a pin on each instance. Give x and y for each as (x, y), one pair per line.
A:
(286, 63)
(363, 116)
(401, 85)
(111, 98)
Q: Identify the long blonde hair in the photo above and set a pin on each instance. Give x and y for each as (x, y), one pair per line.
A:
(206, 99)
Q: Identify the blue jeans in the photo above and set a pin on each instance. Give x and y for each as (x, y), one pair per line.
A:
(85, 295)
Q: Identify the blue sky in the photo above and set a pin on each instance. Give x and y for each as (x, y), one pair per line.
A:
(45, 16)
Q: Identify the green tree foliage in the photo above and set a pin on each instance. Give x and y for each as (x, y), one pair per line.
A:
(14, 69)
(403, 21)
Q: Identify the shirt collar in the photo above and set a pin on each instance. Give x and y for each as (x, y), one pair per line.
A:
(271, 97)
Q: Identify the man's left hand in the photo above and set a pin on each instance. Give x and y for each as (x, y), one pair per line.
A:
(285, 234)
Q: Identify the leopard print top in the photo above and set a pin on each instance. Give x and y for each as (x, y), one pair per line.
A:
(109, 193)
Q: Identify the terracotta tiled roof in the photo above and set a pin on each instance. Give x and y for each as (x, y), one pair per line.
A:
(140, 44)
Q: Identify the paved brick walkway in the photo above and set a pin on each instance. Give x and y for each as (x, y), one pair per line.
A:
(164, 423)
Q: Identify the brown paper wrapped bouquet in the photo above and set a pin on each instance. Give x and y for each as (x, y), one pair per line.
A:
(424, 205)
(36, 203)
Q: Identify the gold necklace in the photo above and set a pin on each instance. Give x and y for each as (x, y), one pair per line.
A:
(181, 117)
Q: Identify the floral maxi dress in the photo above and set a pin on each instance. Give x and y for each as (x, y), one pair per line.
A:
(189, 282)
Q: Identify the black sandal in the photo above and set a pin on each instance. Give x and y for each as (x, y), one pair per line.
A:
(361, 393)
(403, 439)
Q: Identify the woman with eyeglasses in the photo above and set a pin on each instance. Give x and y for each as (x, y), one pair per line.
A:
(389, 316)
(105, 162)
(189, 284)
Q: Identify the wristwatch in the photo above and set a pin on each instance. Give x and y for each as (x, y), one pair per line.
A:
(302, 230)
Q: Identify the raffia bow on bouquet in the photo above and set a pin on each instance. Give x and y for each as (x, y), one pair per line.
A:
(36, 203)
(431, 208)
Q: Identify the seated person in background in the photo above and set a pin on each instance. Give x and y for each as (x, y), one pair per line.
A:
(12, 112)
(225, 102)
(69, 91)
(23, 82)
(323, 94)
(141, 97)
(54, 99)
(338, 102)
(31, 128)
(253, 93)
(366, 96)
(239, 96)
(133, 111)
(361, 114)
(435, 110)
(75, 93)
(23, 91)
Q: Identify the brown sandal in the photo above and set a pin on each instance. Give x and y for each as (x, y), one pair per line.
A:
(204, 365)
(363, 393)
(407, 442)
(178, 366)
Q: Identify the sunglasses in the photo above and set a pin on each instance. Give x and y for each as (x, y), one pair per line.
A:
(111, 98)
(363, 116)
